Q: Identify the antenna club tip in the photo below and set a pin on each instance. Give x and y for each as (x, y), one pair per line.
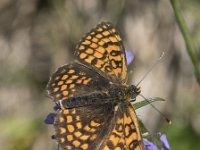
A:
(168, 121)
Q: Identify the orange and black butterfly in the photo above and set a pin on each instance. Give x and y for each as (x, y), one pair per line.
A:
(94, 98)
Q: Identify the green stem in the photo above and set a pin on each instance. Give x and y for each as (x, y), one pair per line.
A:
(188, 40)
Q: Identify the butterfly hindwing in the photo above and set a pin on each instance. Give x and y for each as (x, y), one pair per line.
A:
(125, 135)
(83, 128)
(102, 128)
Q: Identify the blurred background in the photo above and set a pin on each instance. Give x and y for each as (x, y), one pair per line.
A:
(37, 36)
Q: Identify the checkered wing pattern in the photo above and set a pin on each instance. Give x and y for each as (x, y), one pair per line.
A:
(92, 128)
(126, 133)
(98, 126)
(74, 80)
(83, 128)
(103, 50)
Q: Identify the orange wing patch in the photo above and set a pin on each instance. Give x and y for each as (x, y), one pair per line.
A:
(126, 133)
(71, 132)
(80, 129)
(74, 79)
(102, 49)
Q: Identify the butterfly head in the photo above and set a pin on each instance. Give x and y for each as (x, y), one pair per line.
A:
(134, 91)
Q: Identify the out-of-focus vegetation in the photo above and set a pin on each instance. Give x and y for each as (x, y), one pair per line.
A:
(193, 52)
(37, 36)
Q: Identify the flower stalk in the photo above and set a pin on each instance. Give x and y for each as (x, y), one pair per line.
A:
(192, 51)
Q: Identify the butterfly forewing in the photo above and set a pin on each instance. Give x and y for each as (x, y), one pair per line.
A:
(75, 80)
(103, 50)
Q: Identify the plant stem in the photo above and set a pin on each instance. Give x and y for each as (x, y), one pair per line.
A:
(187, 38)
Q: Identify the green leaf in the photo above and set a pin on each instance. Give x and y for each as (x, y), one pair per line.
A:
(148, 101)
(142, 126)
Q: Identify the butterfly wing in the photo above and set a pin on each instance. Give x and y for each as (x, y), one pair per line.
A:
(100, 126)
(103, 50)
(74, 80)
(83, 128)
(126, 133)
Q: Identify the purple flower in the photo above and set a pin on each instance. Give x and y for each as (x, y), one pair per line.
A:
(129, 56)
(149, 145)
(50, 118)
(165, 144)
(56, 107)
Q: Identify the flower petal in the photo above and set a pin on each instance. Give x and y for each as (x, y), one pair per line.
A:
(56, 107)
(50, 118)
(165, 143)
(149, 145)
(129, 56)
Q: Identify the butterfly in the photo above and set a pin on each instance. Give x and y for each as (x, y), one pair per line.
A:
(95, 112)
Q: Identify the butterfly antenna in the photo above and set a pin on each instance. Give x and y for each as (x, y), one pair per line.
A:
(151, 67)
(167, 119)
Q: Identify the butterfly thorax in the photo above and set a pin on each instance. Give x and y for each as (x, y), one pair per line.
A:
(123, 92)
(115, 94)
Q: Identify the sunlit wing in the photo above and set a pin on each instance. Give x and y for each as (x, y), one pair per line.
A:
(126, 133)
(103, 50)
(74, 79)
(99, 126)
